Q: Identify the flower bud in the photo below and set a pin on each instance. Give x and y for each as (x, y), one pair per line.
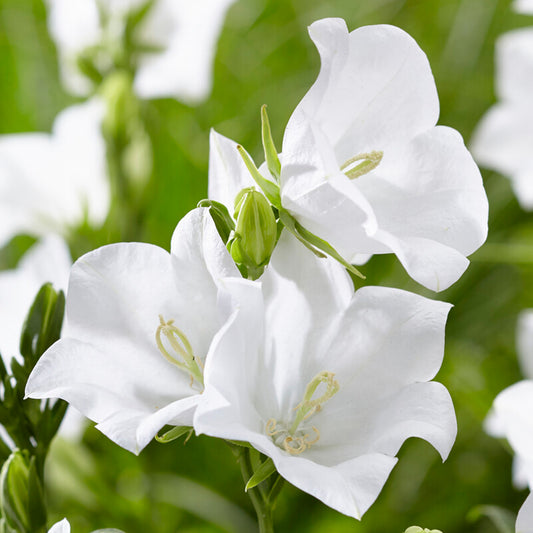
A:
(21, 496)
(255, 233)
(14, 491)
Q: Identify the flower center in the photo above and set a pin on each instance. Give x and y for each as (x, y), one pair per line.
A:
(296, 437)
(178, 350)
(369, 161)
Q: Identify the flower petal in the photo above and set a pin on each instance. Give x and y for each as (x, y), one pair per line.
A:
(374, 87)
(524, 520)
(228, 174)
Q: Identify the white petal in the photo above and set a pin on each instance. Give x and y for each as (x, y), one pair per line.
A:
(350, 487)
(512, 418)
(524, 520)
(111, 369)
(523, 6)
(48, 182)
(375, 85)
(228, 174)
(189, 32)
(503, 138)
(46, 261)
(524, 342)
(514, 65)
(60, 527)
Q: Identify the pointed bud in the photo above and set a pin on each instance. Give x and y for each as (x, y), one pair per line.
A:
(256, 231)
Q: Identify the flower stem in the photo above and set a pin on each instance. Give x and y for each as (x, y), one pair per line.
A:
(263, 501)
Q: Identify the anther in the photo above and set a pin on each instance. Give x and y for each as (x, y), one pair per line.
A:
(369, 161)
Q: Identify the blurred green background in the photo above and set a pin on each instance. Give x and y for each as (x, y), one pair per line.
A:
(265, 57)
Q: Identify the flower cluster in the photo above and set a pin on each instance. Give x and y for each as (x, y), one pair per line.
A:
(246, 331)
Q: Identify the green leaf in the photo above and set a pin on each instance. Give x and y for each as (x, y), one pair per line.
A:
(242, 443)
(271, 154)
(43, 325)
(503, 519)
(312, 240)
(221, 217)
(173, 434)
(264, 471)
(36, 506)
(270, 189)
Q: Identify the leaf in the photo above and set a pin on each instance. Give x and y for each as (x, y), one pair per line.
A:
(264, 471)
(270, 189)
(503, 519)
(221, 217)
(36, 506)
(173, 434)
(271, 153)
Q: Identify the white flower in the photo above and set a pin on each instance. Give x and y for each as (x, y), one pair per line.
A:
(140, 322)
(510, 416)
(60, 527)
(523, 6)
(46, 261)
(364, 166)
(524, 521)
(183, 35)
(51, 181)
(504, 135)
(326, 382)
(64, 527)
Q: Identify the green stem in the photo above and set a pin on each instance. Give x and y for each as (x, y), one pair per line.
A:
(262, 505)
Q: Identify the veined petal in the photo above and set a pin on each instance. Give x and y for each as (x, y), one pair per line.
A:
(188, 31)
(228, 174)
(524, 520)
(110, 365)
(375, 86)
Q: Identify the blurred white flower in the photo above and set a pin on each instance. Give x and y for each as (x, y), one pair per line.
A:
(523, 6)
(363, 165)
(46, 261)
(504, 136)
(49, 182)
(182, 37)
(140, 322)
(524, 521)
(60, 527)
(511, 416)
(328, 383)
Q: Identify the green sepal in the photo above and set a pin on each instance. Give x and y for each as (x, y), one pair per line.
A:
(43, 324)
(36, 507)
(265, 470)
(174, 433)
(313, 242)
(288, 222)
(502, 519)
(271, 154)
(242, 443)
(271, 190)
(221, 217)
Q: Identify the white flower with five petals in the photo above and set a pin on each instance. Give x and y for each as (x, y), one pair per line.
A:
(140, 322)
(325, 382)
(49, 182)
(363, 165)
(182, 37)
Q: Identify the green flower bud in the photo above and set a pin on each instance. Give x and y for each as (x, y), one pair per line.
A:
(21, 496)
(14, 478)
(256, 231)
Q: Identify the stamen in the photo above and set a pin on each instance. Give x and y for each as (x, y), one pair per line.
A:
(293, 439)
(370, 160)
(186, 360)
